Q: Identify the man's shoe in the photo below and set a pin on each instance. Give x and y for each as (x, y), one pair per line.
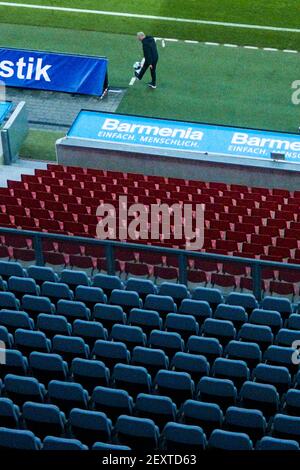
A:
(137, 75)
(150, 85)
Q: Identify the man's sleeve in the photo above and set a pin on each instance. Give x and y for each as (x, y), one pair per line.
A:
(147, 53)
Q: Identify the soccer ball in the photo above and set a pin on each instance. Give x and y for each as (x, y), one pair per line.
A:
(137, 66)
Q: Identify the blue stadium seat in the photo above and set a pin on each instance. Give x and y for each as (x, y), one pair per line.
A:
(130, 335)
(67, 395)
(9, 300)
(8, 269)
(13, 320)
(6, 337)
(143, 287)
(208, 416)
(90, 296)
(90, 373)
(185, 325)
(9, 414)
(248, 301)
(90, 426)
(103, 447)
(274, 375)
(279, 304)
(108, 283)
(15, 363)
(73, 310)
(56, 291)
(219, 391)
(268, 443)
(286, 427)
(109, 315)
(200, 309)
(262, 397)
(170, 343)
(112, 402)
(292, 402)
(261, 335)
(48, 367)
(60, 443)
(195, 365)
(287, 337)
(160, 303)
(148, 320)
(70, 348)
(89, 331)
(227, 440)
(152, 359)
(248, 352)
(223, 330)
(208, 347)
(160, 409)
(3, 285)
(126, 299)
(177, 385)
(36, 305)
(22, 389)
(74, 278)
(18, 439)
(27, 341)
(234, 313)
(21, 286)
(53, 325)
(44, 420)
(134, 379)
(137, 433)
(231, 369)
(178, 292)
(213, 296)
(182, 438)
(111, 353)
(280, 356)
(293, 322)
(250, 422)
(42, 274)
(269, 318)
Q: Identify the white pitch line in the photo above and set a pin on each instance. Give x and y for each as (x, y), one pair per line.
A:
(132, 81)
(290, 51)
(149, 17)
(230, 45)
(251, 47)
(187, 41)
(212, 43)
(270, 49)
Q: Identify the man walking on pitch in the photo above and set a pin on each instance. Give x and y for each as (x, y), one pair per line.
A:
(151, 58)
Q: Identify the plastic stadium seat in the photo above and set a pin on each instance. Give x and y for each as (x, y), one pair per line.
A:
(293, 322)
(56, 291)
(143, 287)
(223, 330)
(70, 348)
(103, 447)
(3, 285)
(134, 379)
(53, 325)
(185, 325)
(109, 315)
(183, 438)
(126, 299)
(170, 343)
(271, 443)
(59, 443)
(111, 353)
(227, 440)
(21, 286)
(13, 320)
(15, 363)
(137, 433)
(280, 356)
(90, 426)
(234, 313)
(234, 370)
(9, 414)
(286, 427)
(44, 419)
(90, 296)
(198, 308)
(262, 397)
(269, 318)
(248, 301)
(90, 373)
(208, 347)
(130, 335)
(195, 365)
(18, 439)
(274, 375)
(8, 269)
(219, 391)
(251, 422)
(107, 283)
(206, 415)
(152, 359)
(162, 304)
(74, 278)
(146, 319)
(213, 296)
(35, 305)
(177, 385)
(292, 402)
(6, 337)
(22, 389)
(248, 352)
(112, 402)
(73, 310)
(8, 300)
(89, 331)
(27, 341)
(42, 274)
(287, 337)
(67, 395)
(178, 292)
(261, 335)
(160, 409)
(48, 367)
(283, 306)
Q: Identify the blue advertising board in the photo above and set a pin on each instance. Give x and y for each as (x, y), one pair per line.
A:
(4, 109)
(53, 71)
(184, 136)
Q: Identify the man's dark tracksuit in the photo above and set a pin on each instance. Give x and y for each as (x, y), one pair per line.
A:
(151, 58)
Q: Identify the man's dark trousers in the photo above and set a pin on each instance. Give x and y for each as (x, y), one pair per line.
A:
(152, 71)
